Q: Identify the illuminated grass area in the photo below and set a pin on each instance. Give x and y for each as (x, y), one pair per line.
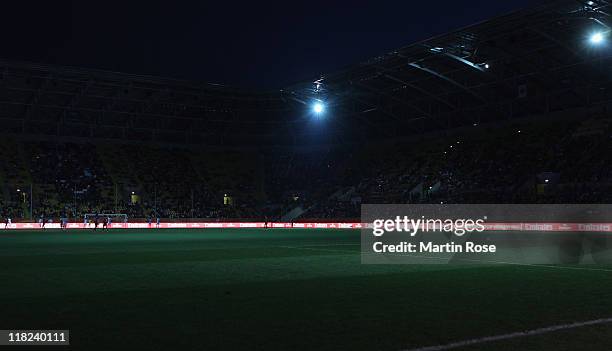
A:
(280, 290)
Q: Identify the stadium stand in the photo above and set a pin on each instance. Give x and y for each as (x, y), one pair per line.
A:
(530, 161)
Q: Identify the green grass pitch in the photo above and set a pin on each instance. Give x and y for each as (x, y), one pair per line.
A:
(281, 290)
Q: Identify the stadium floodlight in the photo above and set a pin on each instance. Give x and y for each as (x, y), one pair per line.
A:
(318, 107)
(597, 38)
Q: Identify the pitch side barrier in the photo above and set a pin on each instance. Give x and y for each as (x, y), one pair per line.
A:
(526, 227)
(189, 225)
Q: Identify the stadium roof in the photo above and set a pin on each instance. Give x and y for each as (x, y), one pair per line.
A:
(52, 100)
(532, 61)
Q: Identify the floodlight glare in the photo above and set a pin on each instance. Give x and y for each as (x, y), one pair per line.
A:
(318, 107)
(596, 38)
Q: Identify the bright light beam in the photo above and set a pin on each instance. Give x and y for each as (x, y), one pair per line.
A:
(597, 38)
(318, 107)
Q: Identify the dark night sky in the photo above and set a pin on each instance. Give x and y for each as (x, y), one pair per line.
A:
(251, 45)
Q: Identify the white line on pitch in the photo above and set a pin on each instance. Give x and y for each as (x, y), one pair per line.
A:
(515, 335)
(552, 267)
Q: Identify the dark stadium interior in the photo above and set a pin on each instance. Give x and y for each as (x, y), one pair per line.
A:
(513, 109)
(432, 108)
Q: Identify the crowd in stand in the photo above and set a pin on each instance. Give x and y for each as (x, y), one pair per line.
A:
(498, 164)
(540, 162)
